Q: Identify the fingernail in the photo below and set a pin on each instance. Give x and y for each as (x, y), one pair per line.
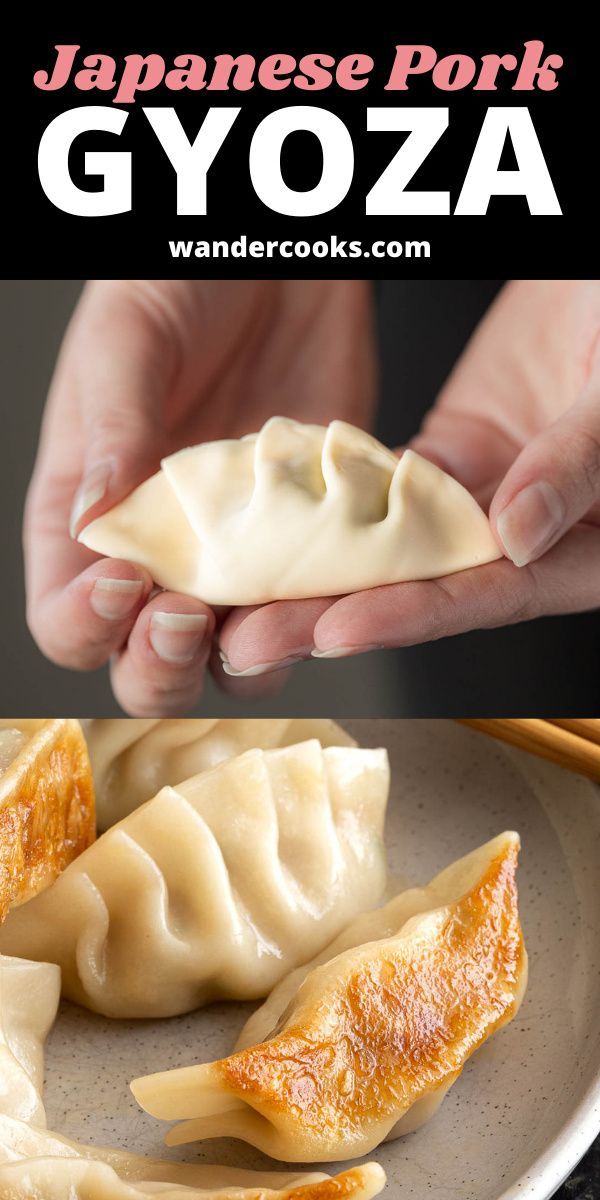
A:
(259, 669)
(346, 651)
(114, 599)
(177, 637)
(530, 522)
(92, 489)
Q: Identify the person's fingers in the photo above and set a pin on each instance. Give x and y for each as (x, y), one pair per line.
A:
(101, 435)
(404, 614)
(257, 641)
(121, 362)
(554, 482)
(160, 672)
(81, 625)
(101, 432)
(243, 688)
(472, 450)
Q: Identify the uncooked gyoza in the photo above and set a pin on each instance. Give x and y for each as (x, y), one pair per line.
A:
(294, 511)
(29, 995)
(133, 759)
(371, 1040)
(36, 1165)
(218, 887)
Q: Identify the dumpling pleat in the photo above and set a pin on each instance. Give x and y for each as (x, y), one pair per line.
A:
(295, 511)
(215, 888)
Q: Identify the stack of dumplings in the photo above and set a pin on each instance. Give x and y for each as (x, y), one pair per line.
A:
(259, 876)
(218, 887)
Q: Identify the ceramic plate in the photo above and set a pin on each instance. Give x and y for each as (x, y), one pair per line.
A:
(528, 1104)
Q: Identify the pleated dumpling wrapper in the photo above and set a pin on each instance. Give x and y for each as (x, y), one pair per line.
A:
(132, 759)
(47, 813)
(29, 995)
(36, 1164)
(373, 1038)
(217, 888)
(294, 511)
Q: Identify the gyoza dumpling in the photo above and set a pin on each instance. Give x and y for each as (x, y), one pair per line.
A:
(29, 995)
(47, 814)
(374, 1037)
(295, 510)
(216, 888)
(36, 1165)
(373, 926)
(132, 759)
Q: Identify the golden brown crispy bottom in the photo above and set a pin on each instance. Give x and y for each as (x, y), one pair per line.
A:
(47, 811)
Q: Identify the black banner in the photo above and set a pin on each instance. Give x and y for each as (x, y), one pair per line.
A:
(422, 197)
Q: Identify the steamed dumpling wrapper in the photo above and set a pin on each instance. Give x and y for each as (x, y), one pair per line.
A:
(29, 995)
(132, 759)
(90, 1179)
(47, 818)
(35, 1164)
(370, 1041)
(294, 511)
(216, 888)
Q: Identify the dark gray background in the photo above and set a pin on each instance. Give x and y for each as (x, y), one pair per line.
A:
(547, 667)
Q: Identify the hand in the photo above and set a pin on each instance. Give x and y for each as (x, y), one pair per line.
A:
(146, 368)
(518, 423)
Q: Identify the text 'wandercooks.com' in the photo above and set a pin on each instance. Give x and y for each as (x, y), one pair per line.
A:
(322, 248)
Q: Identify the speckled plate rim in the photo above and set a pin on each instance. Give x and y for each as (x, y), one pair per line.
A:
(550, 1169)
(554, 1165)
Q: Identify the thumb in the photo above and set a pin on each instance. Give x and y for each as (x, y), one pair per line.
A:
(123, 365)
(554, 482)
